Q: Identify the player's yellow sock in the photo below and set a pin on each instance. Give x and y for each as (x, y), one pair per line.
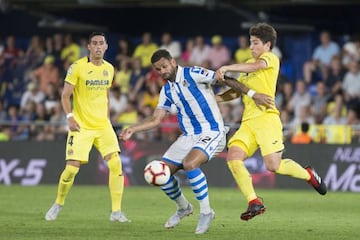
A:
(243, 178)
(116, 181)
(293, 169)
(65, 183)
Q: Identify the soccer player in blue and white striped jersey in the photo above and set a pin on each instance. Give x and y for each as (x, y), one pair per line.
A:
(203, 132)
(204, 135)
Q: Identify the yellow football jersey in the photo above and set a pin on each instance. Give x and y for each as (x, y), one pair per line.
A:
(91, 84)
(262, 81)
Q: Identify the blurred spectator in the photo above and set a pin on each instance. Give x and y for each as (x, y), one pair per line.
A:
(35, 53)
(335, 77)
(350, 53)
(122, 76)
(285, 93)
(353, 119)
(302, 137)
(336, 111)
(71, 50)
(83, 47)
(47, 73)
(2, 110)
(49, 46)
(10, 53)
(318, 106)
(40, 129)
(28, 113)
(18, 130)
(351, 84)
(200, 52)
(301, 98)
(317, 68)
(150, 97)
(286, 122)
(185, 56)
(8, 62)
(151, 134)
(32, 93)
(125, 50)
(52, 97)
(219, 54)
(58, 122)
(58, 40)
(353, 115)
(145, 49)
(1, 46)
(243, 52)
(153, 77)
(5, 133)
(118, 102)
(128, 117)
(304, 116)
(137, 79)
(173, 46)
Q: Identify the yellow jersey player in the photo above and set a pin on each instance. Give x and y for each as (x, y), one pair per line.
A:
(261, 126)
(87, 82)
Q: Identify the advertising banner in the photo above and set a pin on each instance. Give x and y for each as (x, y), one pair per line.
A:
(33, 163)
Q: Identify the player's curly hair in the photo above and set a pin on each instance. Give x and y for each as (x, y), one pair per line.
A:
(265, 32)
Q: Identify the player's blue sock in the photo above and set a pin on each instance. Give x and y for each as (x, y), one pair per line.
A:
(200, 188)
(173, 191)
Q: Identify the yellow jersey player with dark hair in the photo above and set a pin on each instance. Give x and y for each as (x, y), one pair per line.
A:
(87, 82)
(261, 126)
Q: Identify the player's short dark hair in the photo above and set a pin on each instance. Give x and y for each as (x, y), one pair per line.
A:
(96, 34)
(265, 32)
(161, 53)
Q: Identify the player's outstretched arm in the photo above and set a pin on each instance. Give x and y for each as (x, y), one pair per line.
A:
(149, 123)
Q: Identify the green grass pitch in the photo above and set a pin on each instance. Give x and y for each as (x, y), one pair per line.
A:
(290, 214)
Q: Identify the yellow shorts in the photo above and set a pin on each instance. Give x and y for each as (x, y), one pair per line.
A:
(263, 132)
(79, 144)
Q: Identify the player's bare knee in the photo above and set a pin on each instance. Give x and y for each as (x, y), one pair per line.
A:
(272, 166)
(272, 161)
(74, 163)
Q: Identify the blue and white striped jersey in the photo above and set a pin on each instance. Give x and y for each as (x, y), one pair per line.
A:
(193, 96)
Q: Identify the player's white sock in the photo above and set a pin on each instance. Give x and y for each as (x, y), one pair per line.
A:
(173, 191)
(199, 186)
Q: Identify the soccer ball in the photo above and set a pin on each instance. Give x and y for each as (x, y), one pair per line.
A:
(156, 173)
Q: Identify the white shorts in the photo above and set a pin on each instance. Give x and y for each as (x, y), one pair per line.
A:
(211, 143)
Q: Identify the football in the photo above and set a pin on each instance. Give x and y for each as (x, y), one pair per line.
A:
(156, 173)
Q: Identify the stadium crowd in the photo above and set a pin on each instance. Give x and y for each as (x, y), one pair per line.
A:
(31, 81)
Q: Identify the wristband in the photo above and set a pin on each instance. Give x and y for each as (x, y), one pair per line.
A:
(251, 93)
(69, 115)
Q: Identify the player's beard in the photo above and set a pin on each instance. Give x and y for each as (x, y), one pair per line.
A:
(170, 76)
